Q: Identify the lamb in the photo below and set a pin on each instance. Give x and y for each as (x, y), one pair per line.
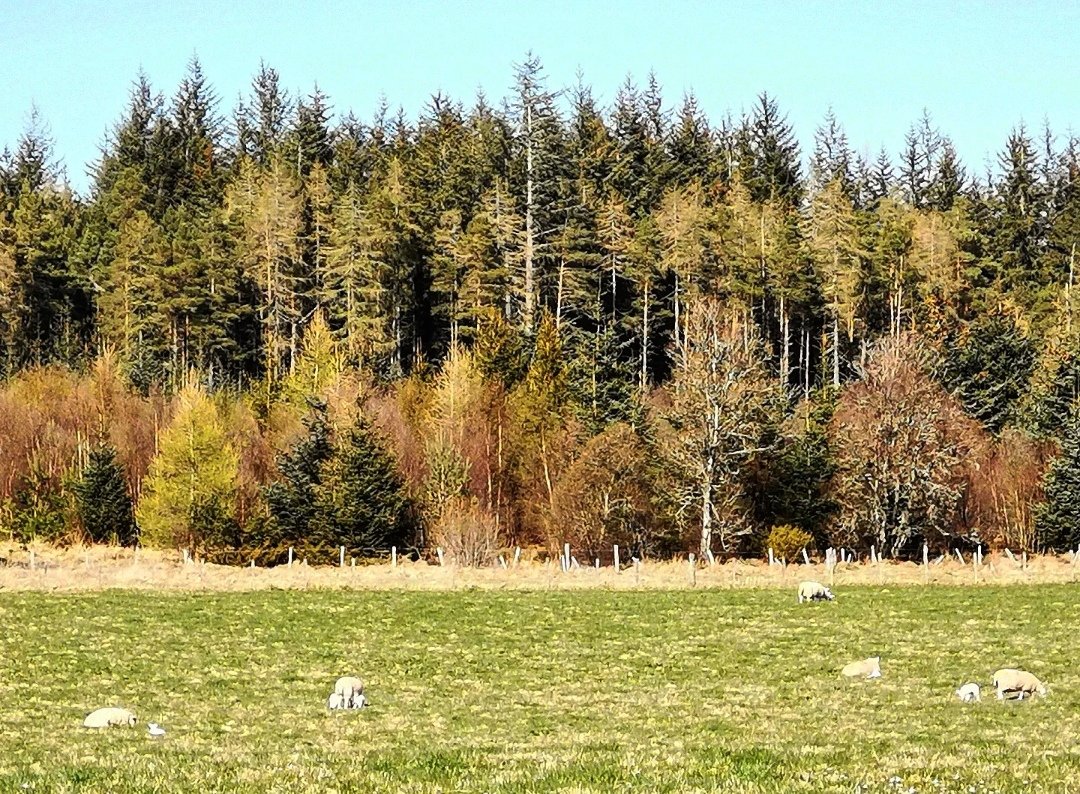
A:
(1017, 683)
(350, 690)
(335, 701)
(868, 668)
(969, 693)
(104, 718)
(814, 591)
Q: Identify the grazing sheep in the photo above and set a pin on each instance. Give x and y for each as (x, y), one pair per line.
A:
(1017, 683)
(814, 591)
(104, 718)
(335, 701)
(969, 693)
(867, 668)
(351, 691)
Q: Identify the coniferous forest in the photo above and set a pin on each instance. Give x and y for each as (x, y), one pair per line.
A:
(534, 320)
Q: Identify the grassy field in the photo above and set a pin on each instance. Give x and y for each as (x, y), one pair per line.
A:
(597, 690)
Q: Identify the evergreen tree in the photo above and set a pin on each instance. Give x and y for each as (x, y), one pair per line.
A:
(291, 500)
(102, 501)
(988, 368)
(1057, 520)
(360, 501)
(769, 160)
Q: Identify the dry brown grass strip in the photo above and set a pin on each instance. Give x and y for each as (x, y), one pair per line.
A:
(105, 567)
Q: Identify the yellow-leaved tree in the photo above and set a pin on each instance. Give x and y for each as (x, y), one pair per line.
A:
(189, 494)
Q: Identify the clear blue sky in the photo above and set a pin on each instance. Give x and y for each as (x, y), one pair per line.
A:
(978, 67)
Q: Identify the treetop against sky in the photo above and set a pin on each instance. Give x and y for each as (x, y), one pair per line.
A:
(980, 68)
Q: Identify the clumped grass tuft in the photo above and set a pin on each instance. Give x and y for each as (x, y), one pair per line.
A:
(589, 691)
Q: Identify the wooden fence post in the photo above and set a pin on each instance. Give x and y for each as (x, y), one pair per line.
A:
(926, 562)
(393, 556)
(290, 556)
(616, 550)
(693, 571)
(438, 551)
(341, 557)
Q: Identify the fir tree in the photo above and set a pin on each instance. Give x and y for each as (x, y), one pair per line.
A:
(291, 500)
(1057, 520)
(360, 501)
(102, 501)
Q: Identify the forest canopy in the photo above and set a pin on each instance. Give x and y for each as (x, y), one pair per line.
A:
(533, 320)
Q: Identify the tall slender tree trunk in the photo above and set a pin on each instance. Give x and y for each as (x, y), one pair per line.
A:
(559, 293)
(785, 354)
(706, 515)
(645, 339)
(836, 350)
(806, 363)
(529, 308)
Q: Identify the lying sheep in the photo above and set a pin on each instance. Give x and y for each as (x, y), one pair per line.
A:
(969, 693)
(814, 591)
(351, 691)
(104, 718)
(867, 668)
(1017, 683)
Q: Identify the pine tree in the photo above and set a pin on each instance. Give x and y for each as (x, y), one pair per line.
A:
(102, 501)
(1057, 520)
(189, 494)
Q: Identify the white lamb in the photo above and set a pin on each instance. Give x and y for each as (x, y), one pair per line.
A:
(1017, 683)
(351, 691)
(867, 668)
(108, 717)
(335, 701)
(969, 693)
(814, 591)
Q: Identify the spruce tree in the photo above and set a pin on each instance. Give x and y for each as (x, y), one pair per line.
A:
(361, 502)
(291, 500)
(1057, 520)
(102, 501)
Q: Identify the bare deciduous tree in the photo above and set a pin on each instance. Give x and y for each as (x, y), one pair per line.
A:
(902, 445)
(723, 407)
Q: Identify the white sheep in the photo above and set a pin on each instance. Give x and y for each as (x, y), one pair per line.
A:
(867, 668)
(351, 691)
(335, 701)
(1017, 683)
(104, 718)
(969, 693)
(814, 591)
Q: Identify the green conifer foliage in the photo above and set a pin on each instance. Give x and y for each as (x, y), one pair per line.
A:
(1057, 520)
(102, 501)
(361, 502)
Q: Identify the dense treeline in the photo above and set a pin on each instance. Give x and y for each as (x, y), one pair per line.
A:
(538, 320)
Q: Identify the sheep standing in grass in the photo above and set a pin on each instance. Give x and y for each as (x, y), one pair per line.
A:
(867, 668)
(335, 701)
(969, 693)
(814, 591)
(105, 718)
(1017, 683)
(351, 691)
